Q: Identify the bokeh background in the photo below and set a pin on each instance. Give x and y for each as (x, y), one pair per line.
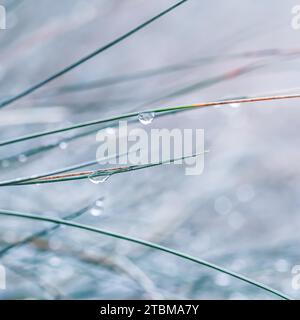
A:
(242, 213)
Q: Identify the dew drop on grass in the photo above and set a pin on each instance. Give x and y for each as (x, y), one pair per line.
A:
(146, 117)
(96, 212)
(235, 105)
(98, 179)
(98, 208)
(63, 145)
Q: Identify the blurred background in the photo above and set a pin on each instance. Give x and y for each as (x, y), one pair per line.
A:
(242, 213)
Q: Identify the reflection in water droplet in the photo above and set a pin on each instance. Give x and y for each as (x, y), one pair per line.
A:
(98, 179)
(22, 158)
(146, 117)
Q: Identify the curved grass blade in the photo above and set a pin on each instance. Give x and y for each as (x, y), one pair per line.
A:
(147, 244)
(156, 111)
(45, 231)
(88, 57)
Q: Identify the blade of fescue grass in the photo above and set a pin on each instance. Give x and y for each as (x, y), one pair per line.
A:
(156, 111)
(147, 244)
(144, 74)
(197, 86)
(45, 231)
(88, 57)
(87, 174)
(62, 170)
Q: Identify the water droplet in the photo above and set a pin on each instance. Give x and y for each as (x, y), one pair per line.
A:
(63, 145)
(98, 179)
(235, 105)
(22, 158)
(96, 212)
(146, 117)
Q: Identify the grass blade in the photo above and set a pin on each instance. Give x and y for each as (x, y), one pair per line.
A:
(157, 111)
(87, 174)
(147, 244)
(88, 57)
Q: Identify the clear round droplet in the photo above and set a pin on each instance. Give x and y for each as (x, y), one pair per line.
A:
(63, 145)
(146, 117)
(22, 158)
(96, 212)
(98, 179)
(98, 207)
